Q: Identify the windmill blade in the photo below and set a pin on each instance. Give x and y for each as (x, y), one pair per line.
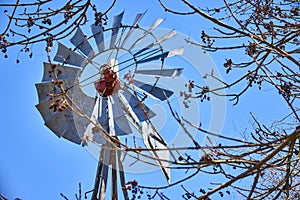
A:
(68, 130)
(157, 92)
(111, 123)
(97, 30)
(92, 131)
(102, 114)
(150, 140)
(137, 19)
(140, 110)
(168, 73)
(115, 29)
(169, 35)
(67, 56)
(121, 124)
(129, 111)
(85, 105)
(45, 88)
(79, 41)
(114, 65)
(151, 28)
(43, 108)
(62, 72)
(155, 24)
(159, 41)
(161, 56)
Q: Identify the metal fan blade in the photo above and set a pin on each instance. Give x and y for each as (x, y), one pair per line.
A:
(67, 56)
(140, 110)
(62, 72)
(114, 65)
(93, 132)
(85, 105)
(121, 124)
(44, 110)
(161, 56)
(157, 57)
(152, 27)
(111, 123)
(150, 141)
(176, 52)
(62, 124)
(97, 30)
(45, 88)
(137, 19)
(128, 109)
(157, 92)
(159, 41)
(84, 102)
(102, 115)
(155, 24)
(144, 51)
(79, 41)
(115, 29)
(166, 37)
(169, 73)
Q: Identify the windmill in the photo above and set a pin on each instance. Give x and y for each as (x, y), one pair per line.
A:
(94, 95)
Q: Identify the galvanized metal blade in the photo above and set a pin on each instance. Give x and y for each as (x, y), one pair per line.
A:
(113, 63)
(111, 123)
(97, 30)
(157, 92)
(137, 19)
(153, 140)
(140, 110)
(115, 28)
(44, 110)
(92, 131)
(159, 41)
(102, 113)
(67, 56)
(151, 28)
(169, 35)
(168, 73)
(161, 56)
(79, 41)
(155, 24)
(84, 105)
(46, 88)
(62, 124)
(121, 124)
(62, 72)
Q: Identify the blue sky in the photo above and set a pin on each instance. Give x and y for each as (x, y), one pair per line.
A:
(35, 164)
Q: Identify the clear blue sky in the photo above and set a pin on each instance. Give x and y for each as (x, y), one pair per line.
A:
(35, 164)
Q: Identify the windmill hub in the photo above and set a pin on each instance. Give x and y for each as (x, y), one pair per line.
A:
(108, 83)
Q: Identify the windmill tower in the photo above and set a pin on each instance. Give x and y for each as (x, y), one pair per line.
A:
(93, 95)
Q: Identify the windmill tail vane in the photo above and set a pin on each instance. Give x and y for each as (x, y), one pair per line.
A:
(98, 95)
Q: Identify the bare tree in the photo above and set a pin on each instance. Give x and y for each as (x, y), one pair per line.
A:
(37, 21)
(266, 32)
